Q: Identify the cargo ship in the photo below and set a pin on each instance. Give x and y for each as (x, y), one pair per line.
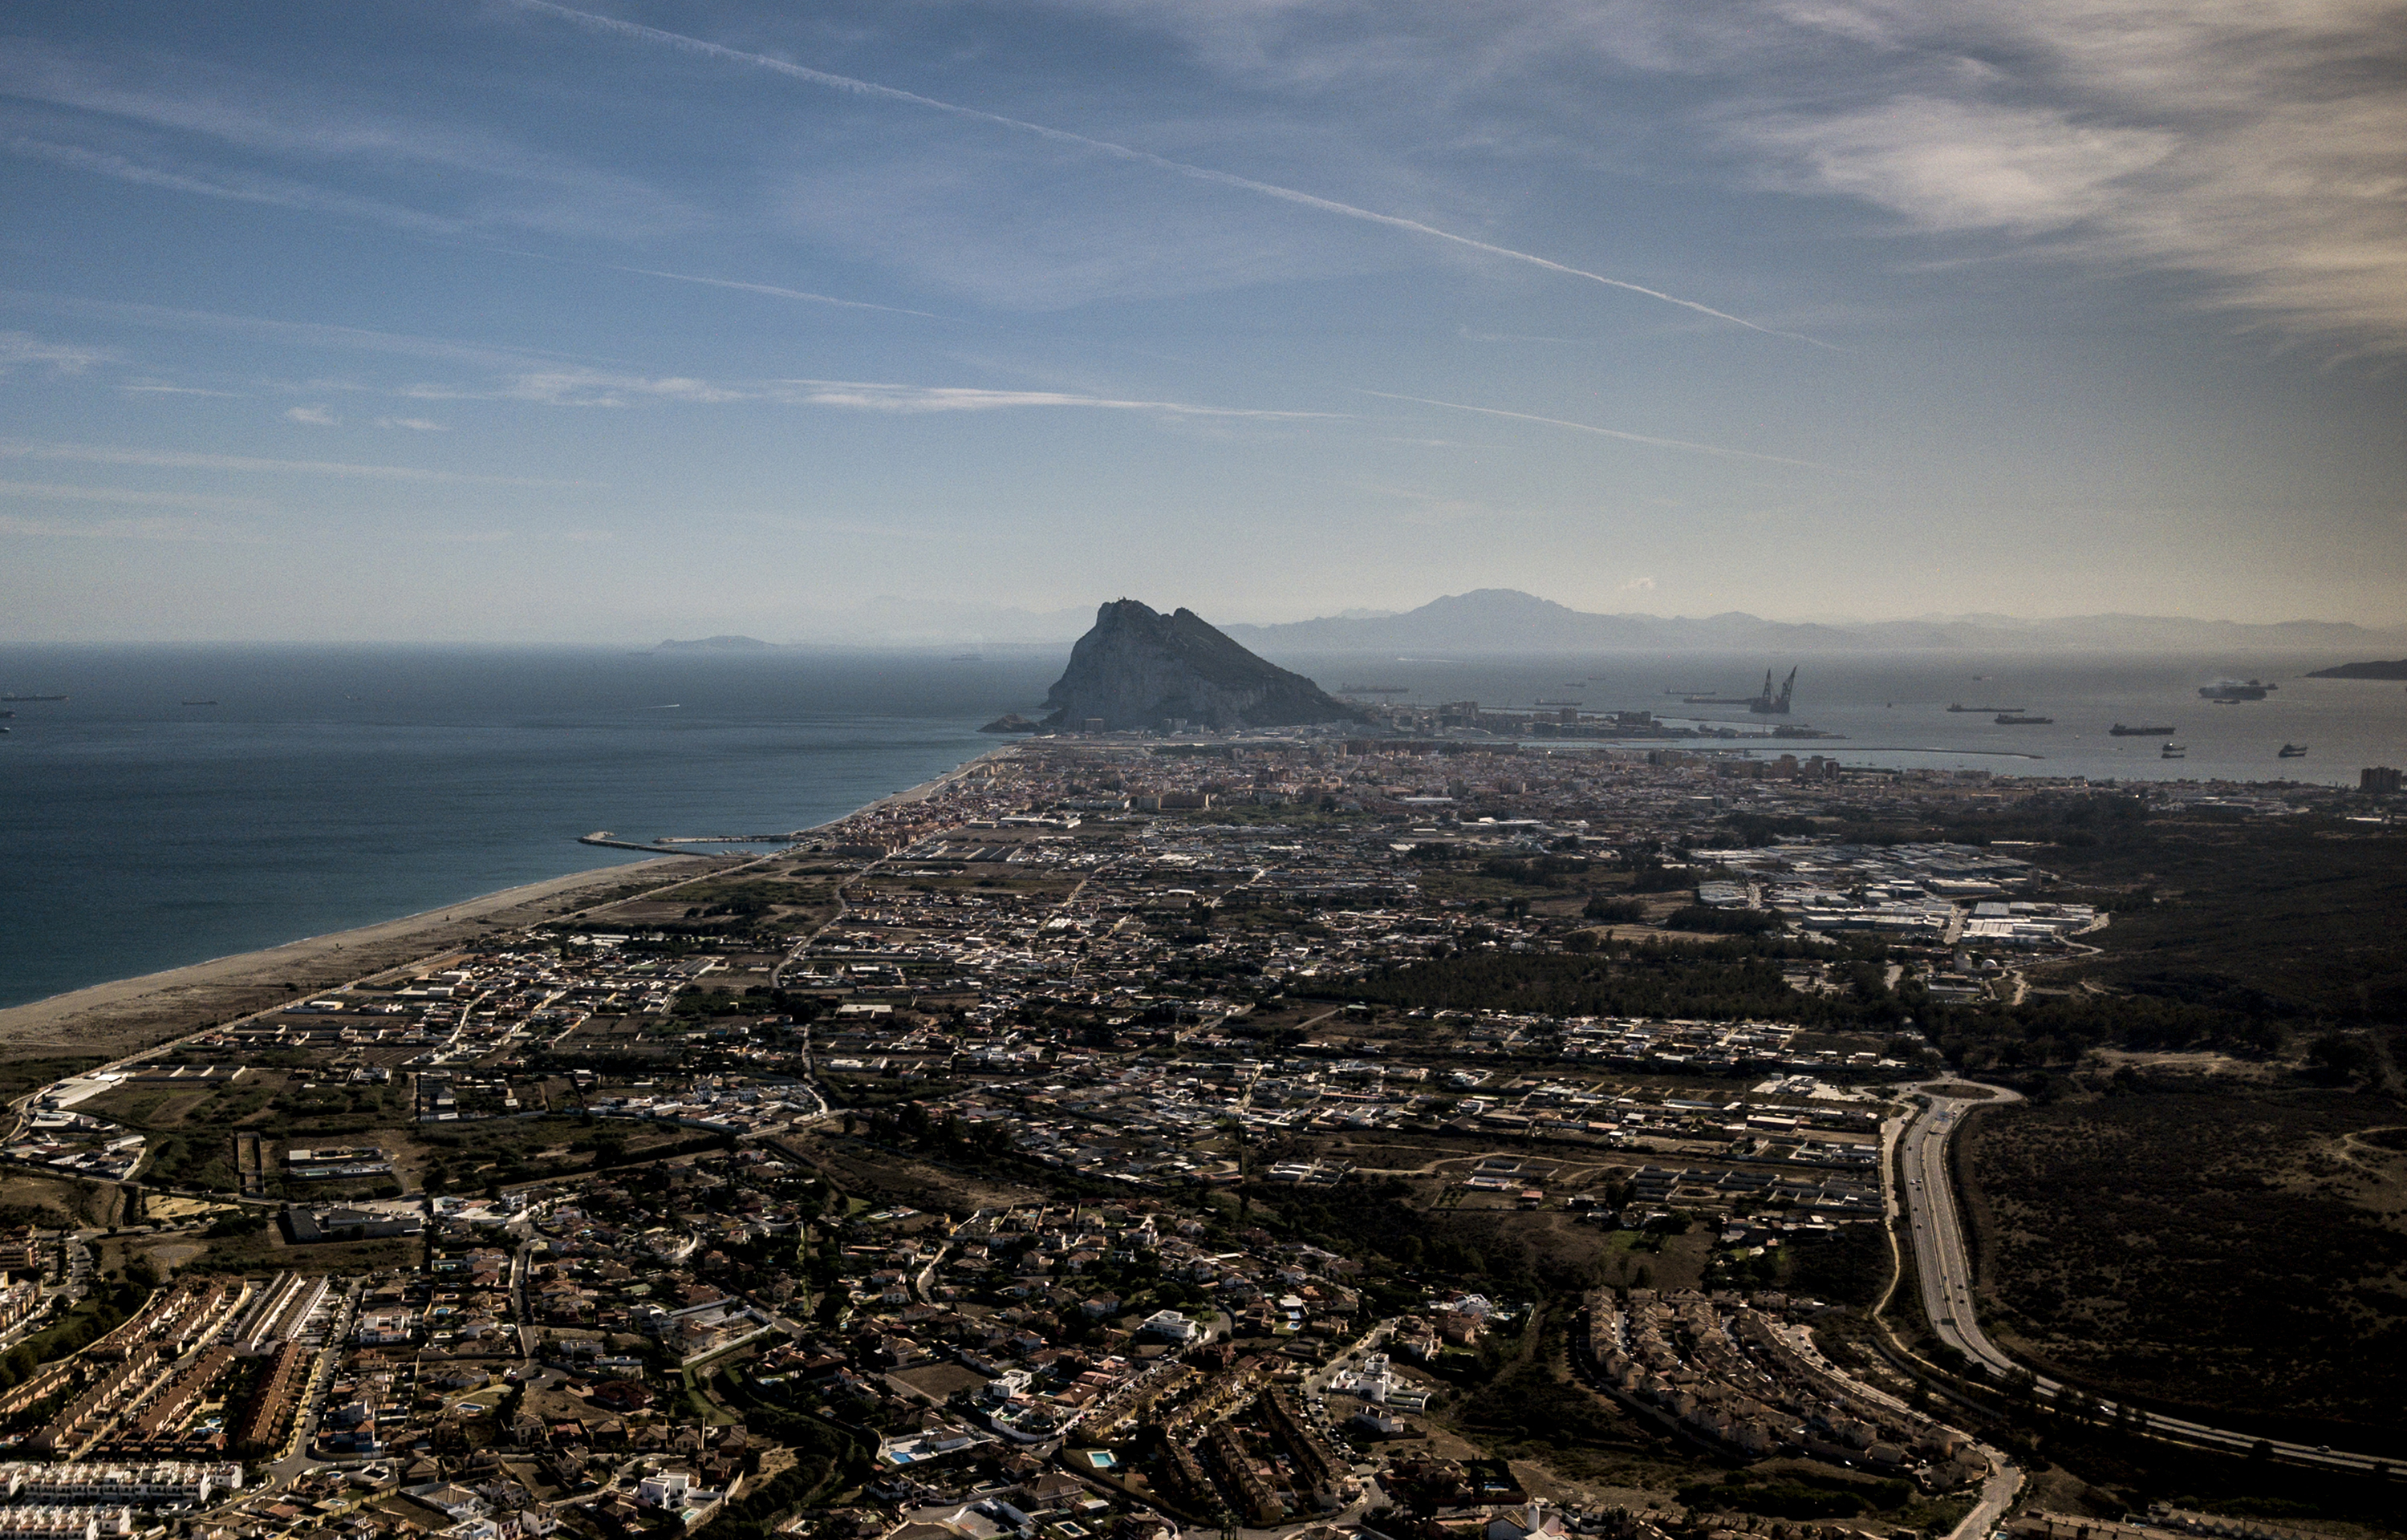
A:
(32, 697)
(2017, 719)
(2225, 689)
(2118, 730)
(1981, 711)
(2172, 751)
(2294, 751)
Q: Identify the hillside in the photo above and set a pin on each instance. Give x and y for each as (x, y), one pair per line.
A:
(1138, 668)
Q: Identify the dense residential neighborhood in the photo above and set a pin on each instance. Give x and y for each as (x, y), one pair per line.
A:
(1117, 1138)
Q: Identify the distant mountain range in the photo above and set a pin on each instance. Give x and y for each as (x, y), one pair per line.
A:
(2395, 668)
(1508, 620)
(1505, 620)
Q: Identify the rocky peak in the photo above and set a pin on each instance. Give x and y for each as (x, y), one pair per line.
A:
(1138, 668)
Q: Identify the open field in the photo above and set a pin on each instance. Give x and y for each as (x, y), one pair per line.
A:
(51, 1201)
(2287, 916)
(2242, 1254)
(882, 1176)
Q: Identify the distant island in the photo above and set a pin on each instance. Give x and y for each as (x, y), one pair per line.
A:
(1138, 668)
(718, 645)
(2363, 671)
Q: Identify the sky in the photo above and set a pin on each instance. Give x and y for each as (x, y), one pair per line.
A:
(504, 320)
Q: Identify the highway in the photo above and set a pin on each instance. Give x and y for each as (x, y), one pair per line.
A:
(1946, 1279)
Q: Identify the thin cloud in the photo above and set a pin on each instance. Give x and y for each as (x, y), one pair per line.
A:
(1969, 166)
(93, 454)
(297, 333)
(176, 530)
(2255, 150)
(52, 491)
(192, 97)
(941, 398)
(1646, 439)
(1467, 334)
(597, 388)
(847, 84)
(417, 425)
(19, 347)
(239, 187)
(774, 290)
(315, 416)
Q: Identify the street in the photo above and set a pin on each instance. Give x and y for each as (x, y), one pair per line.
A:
(1945, 1276)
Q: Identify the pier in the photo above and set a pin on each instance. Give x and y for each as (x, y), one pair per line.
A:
(666, 845)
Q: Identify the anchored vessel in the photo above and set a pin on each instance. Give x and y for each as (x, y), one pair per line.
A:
(2294, 751)
(2118, 730)
(2226, 690)
(2017, 719)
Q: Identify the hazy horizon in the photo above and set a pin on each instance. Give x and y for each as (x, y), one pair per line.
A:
(525, 322)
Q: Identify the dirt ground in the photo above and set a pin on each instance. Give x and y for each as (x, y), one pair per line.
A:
(882, 1175)
(940, 1379)
(83, 1203)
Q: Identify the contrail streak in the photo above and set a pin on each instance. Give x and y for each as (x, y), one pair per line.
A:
(769, 288)
(1202, 173)
(1604, 432)
(93, 454)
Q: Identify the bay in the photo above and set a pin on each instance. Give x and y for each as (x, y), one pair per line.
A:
(331, 787)
(327, 788)
(1890, 708)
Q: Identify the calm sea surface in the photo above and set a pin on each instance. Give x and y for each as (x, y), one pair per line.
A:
(328, 788)
(1891, 708)
(332, 788)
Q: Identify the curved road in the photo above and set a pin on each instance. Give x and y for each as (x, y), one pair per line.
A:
(1947, 1281)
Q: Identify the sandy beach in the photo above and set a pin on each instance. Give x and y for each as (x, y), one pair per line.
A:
(129, 1014)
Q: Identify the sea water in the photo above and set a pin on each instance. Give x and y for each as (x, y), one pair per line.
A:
(327, 788)
(1890, 709)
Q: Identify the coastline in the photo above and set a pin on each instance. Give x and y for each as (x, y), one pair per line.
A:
(125, 1015)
